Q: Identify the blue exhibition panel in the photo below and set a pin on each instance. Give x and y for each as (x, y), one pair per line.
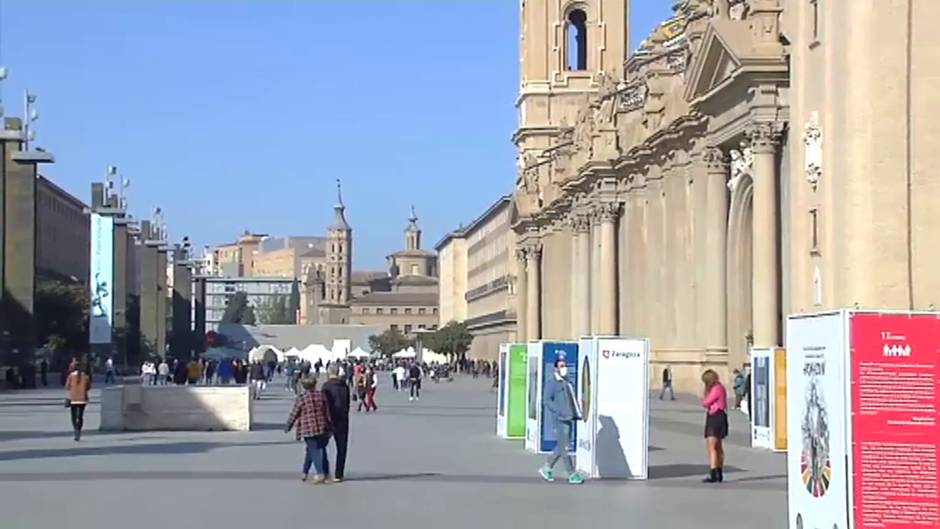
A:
(552, 351)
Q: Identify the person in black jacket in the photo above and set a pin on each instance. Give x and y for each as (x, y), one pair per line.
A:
(337, 397)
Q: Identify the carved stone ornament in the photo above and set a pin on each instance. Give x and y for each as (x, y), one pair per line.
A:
(634, 98)
(742, 161)
(714, 159)
(764, 137)
(607, 212)
(532, 250)
(812, 150)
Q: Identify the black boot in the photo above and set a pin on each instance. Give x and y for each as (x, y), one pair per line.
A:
(721, 474)
(78, 435)
(712, 476)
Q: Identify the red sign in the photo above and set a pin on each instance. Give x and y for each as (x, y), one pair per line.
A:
(895, 435)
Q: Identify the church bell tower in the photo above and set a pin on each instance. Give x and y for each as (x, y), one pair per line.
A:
(566, 48)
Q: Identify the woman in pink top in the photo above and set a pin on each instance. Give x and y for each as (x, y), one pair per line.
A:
(716, 424)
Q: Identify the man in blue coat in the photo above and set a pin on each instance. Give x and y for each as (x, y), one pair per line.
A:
(562, 403)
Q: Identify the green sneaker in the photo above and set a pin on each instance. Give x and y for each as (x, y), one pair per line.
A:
(575, 479)
(546, 474)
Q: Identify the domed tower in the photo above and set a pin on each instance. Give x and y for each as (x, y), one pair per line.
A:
(338, 255)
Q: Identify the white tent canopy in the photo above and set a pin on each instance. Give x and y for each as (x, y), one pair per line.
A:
(293, 351)
(406, 353)
(265, 353)
(358, 353)
(314, 352)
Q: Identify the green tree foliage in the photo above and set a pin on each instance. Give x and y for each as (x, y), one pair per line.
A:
(239, 310)
(276, 311)
(451, 339)
(390, 342)
(293, 304)
(61, 316)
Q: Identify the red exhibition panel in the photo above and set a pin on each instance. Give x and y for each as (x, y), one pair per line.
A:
(895, 437)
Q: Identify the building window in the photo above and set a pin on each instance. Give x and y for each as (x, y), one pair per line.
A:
(576, 39)
(408, 310)
(422, 310)
(393, 327)
(814, 22)
(365, 310)
(414, 269)
(393, 310)
(379, 310)
(433, 311)
(814, 231)
(407, 328)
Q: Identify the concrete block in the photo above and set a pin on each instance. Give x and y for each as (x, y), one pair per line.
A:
(142, 408)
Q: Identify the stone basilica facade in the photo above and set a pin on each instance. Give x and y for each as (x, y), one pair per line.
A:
(753, 159)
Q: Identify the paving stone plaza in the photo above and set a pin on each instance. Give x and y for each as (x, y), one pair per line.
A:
(431, 463)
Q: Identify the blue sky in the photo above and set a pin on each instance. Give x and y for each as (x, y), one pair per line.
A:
(235, 115)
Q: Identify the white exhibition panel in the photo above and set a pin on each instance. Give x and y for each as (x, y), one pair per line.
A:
(762, 395)
(502, 416)
(533, 407)
(613, 442)
(587, 390)
(817, 419)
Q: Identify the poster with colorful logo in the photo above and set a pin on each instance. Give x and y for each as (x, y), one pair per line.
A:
(817, 418)
(895, 369)
(101, 279)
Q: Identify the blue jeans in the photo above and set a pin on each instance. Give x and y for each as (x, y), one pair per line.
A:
(563, 431)
(316, 454)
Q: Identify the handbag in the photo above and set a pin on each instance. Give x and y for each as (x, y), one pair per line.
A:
(68, 403)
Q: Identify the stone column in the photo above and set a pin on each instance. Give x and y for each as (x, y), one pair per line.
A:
(581, 276)
(607, 283)
(594, 236)
(522, 313)
(765, 274)
(716, 242)
(533, 270)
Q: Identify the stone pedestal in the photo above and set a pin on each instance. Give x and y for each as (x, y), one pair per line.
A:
(198, 408)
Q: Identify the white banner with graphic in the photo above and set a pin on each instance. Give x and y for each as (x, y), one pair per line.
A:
(817, 415)
(101, 279)
(614, 439)
(762, 427)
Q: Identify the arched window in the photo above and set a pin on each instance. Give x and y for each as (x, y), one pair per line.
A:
(576, 38)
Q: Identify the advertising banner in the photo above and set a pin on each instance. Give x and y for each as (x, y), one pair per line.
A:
(516, 391)
(761, 420)
(780, 399)
(817, 417)
(552, 351)
(895, 369)
(101, 279)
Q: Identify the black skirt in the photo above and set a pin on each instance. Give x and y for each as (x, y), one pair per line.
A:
(716, 425)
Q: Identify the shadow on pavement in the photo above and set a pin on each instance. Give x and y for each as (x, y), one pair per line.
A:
(150, 448)
(683, 470)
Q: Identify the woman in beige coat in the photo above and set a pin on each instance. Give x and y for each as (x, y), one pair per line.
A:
(77, 386)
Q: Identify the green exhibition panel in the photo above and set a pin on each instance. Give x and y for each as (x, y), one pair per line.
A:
(510, 417)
